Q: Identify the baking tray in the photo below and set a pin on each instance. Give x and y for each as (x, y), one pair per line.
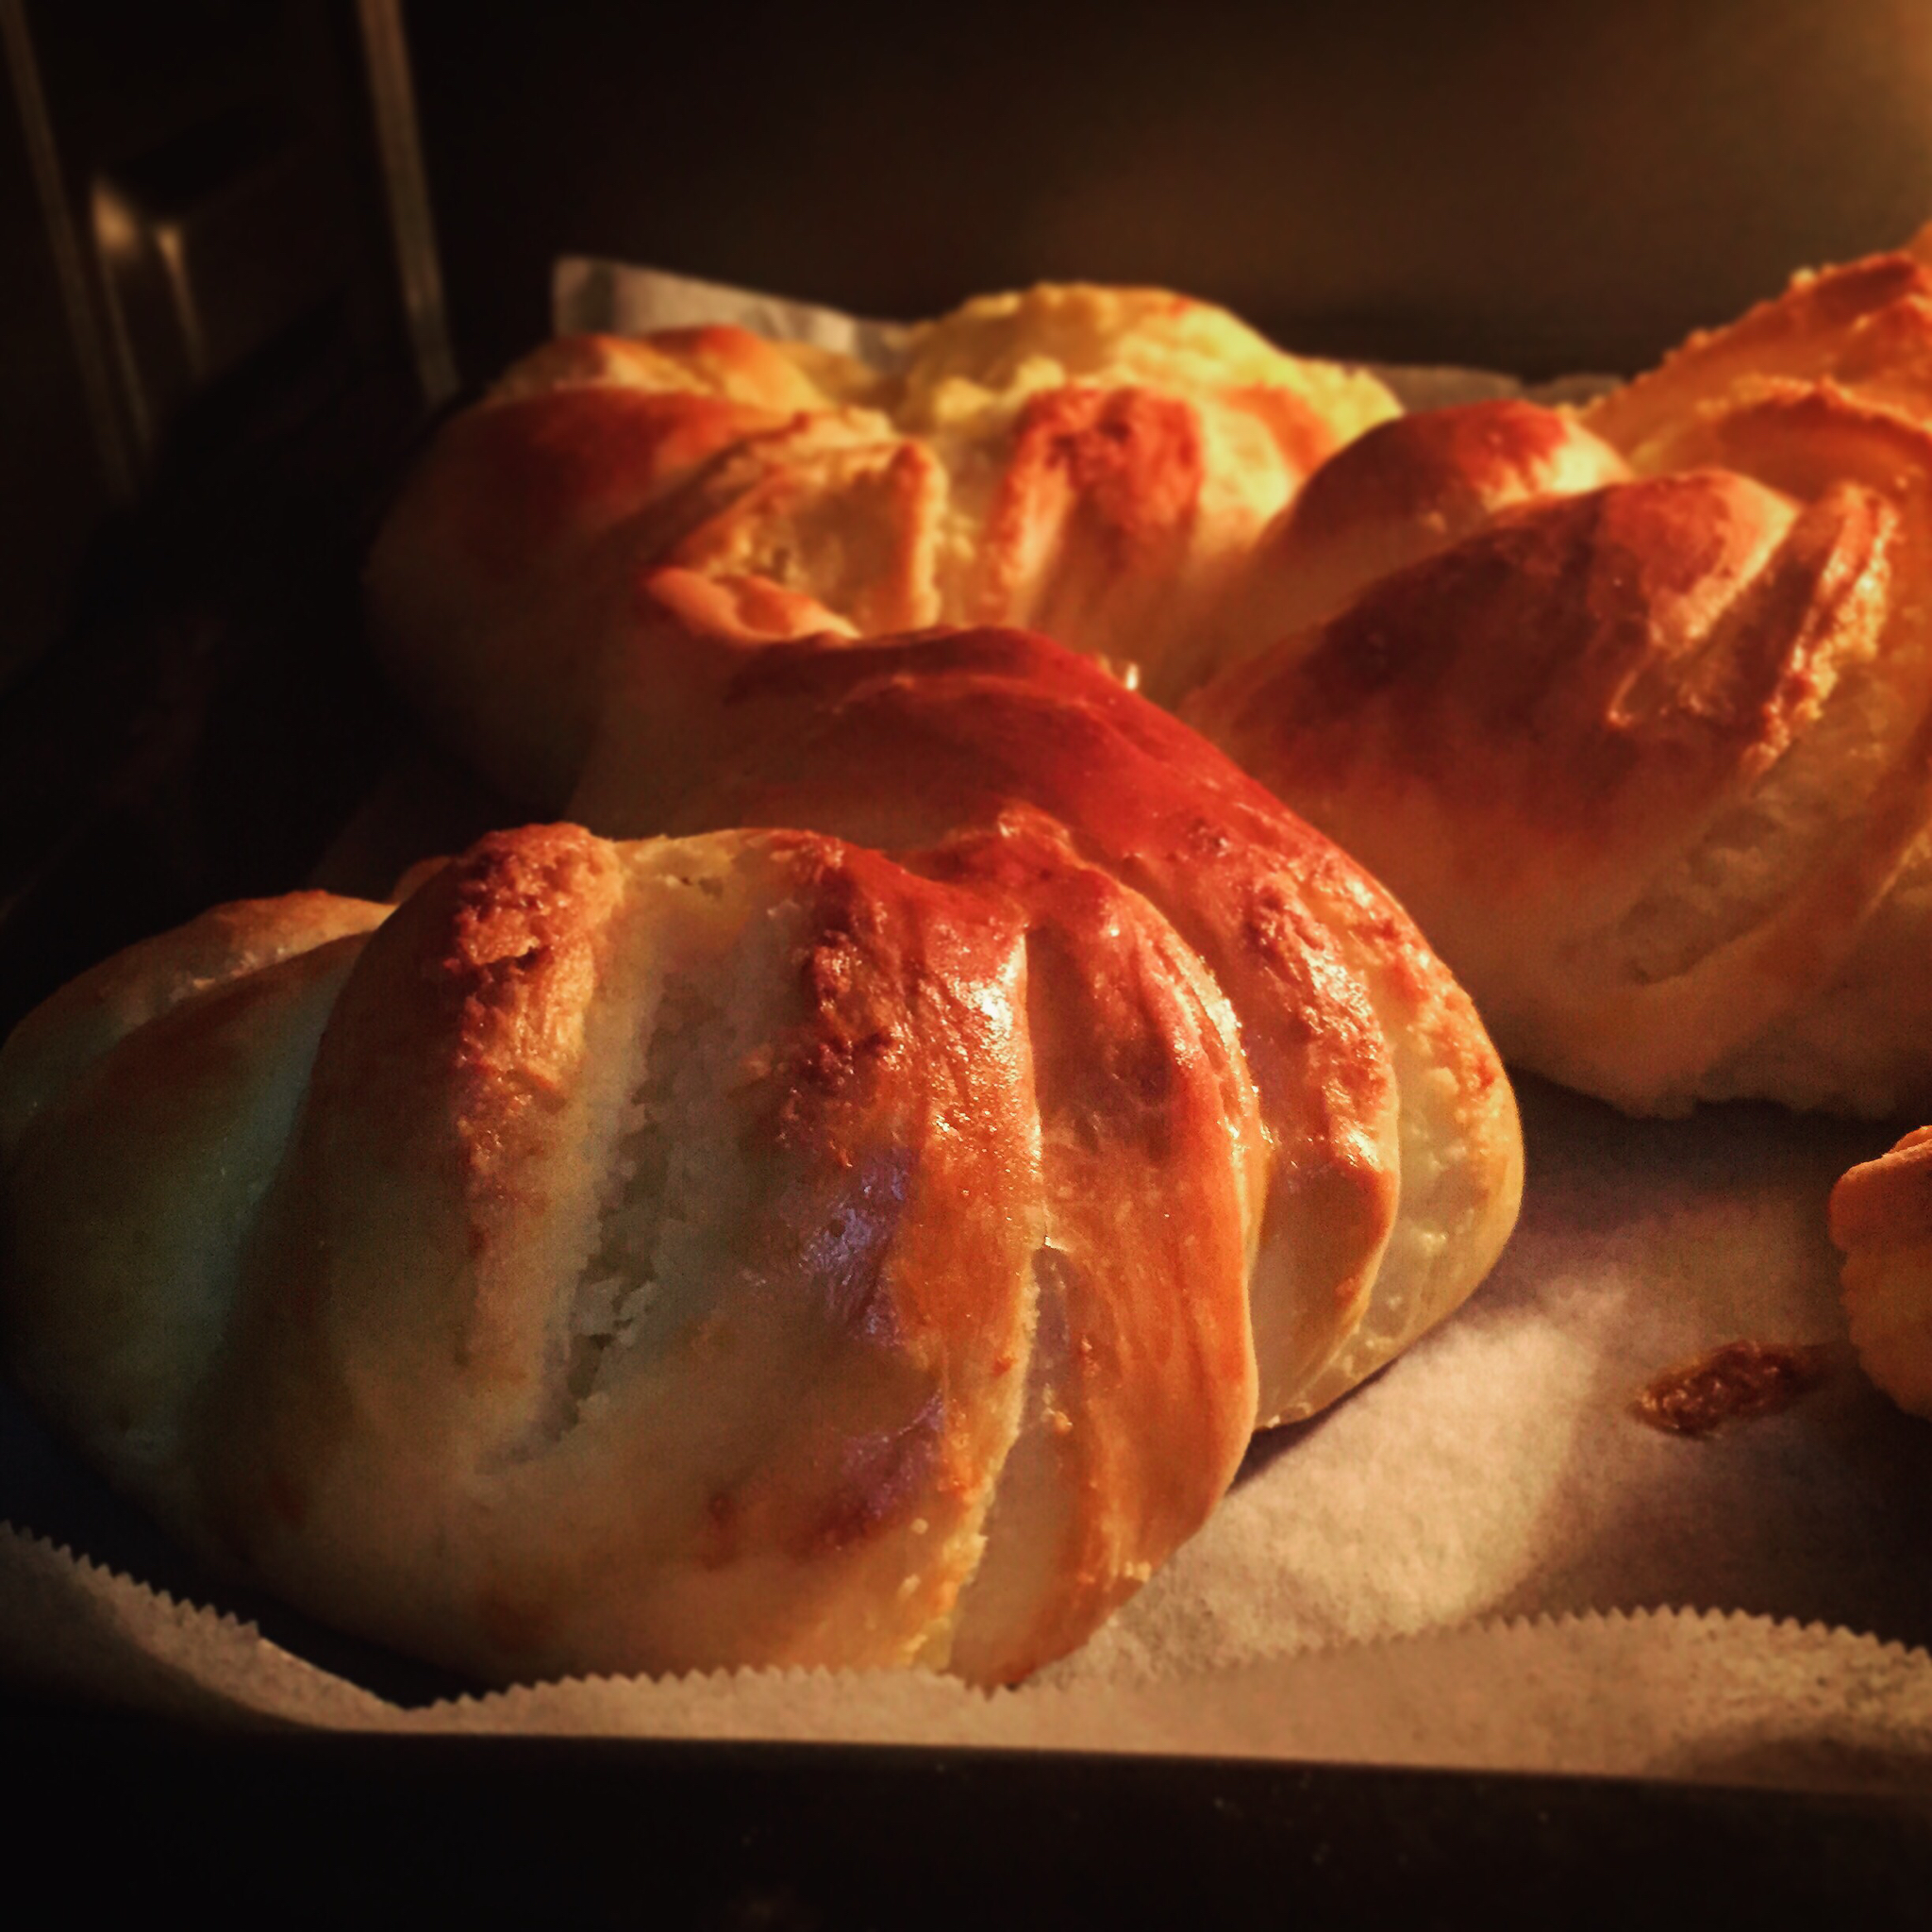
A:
(307, 1829)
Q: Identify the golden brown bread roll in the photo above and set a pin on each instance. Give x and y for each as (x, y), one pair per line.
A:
(750, 1246)
(1092, 462)
(1881, 1216)
(1647, 752)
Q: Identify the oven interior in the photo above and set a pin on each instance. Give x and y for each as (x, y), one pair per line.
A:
(257, 247)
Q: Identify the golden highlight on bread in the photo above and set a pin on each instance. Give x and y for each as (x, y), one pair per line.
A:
(1634, 711)
(872, 1243)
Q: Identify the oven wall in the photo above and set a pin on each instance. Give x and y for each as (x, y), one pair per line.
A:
(1538, 186)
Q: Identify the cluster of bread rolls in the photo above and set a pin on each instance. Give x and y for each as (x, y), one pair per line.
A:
(676, 1243)
(1631, 708)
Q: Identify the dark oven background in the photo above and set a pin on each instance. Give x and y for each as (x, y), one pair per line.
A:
(1540, 185)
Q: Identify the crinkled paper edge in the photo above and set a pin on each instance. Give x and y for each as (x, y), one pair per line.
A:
(1696, 1696)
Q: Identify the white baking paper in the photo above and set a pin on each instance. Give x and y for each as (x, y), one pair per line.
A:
(590, 296)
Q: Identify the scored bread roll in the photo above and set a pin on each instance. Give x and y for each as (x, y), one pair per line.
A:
(1092, 462)
(1643, 740)
(643, 1265)
(868, 1243)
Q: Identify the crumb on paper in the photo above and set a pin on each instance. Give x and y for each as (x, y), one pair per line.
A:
(1739, 1382)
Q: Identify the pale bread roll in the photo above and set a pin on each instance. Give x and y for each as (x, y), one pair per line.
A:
(1096, 463)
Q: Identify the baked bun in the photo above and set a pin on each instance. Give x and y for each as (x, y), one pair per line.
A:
(867, 1244)
(1093, 462)
(1881, 1216)
(1648, 754)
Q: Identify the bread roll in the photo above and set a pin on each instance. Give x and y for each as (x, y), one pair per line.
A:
(1646, 750)
(1094, 462)
(867, 1244)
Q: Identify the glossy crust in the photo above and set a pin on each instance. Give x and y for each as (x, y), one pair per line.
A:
(1881, 1216)
(1397, 1159)
(1094, 462)
(873, 1242)
(1649, 757)
(1402, 491)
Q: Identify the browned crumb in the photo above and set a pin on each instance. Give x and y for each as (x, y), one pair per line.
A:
(1738, 1382)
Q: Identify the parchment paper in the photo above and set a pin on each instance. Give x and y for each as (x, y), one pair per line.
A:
(1420, 1574)
(1732, 1700)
